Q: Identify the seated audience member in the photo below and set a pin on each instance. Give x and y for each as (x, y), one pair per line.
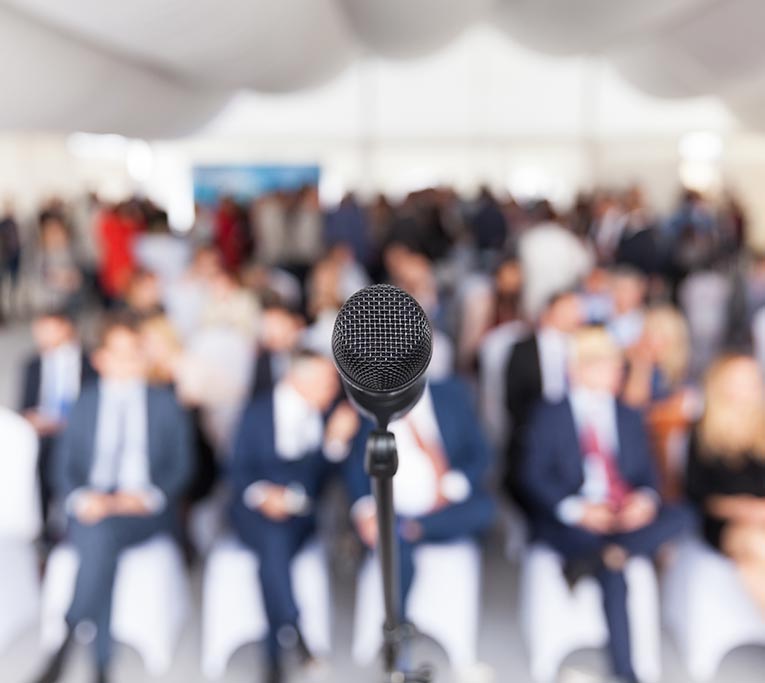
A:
(440, 489)
(52, 381)
(282, 457)
(280, 332)
(229, 305)
(587, 474)
(165, 359)
(538, 368)
(628, 291)
(726, 467)
(124, 459)
(657, 383)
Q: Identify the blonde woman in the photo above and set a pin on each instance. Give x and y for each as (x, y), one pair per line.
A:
(657, 373)
(726, 467)
(658, 363)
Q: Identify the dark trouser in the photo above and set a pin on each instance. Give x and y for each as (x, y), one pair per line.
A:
(276, 544)
(462, 520)
(99, 547)
(45, 471)
(576, 544)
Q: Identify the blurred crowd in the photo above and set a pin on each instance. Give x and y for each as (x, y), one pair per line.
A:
(596, 370)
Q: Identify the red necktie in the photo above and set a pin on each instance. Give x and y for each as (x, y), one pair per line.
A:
(593, 451)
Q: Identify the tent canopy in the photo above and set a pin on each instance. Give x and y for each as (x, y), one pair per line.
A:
(149, 69)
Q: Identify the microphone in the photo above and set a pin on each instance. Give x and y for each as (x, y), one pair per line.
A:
(382, 343)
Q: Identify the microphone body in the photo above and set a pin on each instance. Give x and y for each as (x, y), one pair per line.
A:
(382, 344)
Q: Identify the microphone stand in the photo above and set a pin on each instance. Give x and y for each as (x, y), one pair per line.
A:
(381, 465)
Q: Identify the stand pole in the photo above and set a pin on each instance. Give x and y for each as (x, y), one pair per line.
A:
(381, 466)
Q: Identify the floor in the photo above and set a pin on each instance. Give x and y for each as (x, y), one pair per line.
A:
(501, 647)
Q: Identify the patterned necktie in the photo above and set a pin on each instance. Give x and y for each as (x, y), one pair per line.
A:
(435, 455)
(596, 454)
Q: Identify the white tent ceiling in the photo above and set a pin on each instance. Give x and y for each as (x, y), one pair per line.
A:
(150, 68)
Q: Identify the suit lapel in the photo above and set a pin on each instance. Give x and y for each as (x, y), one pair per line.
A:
(92, 407)
(446, 422)
(570, 434)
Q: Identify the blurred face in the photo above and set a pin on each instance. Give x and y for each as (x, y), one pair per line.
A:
(145, 294)
(628, 293)
(317, 382)
(742, 382)
(281, 330)
(509, 277)
(602, 375)
(50, 333)
(121, 358)
(566, 314)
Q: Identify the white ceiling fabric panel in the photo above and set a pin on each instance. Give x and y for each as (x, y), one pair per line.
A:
(148, 68)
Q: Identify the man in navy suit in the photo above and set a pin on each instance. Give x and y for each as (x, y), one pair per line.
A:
(440, 489)
(588, 474)
(282, 457)
(124, 459)
(51, 384)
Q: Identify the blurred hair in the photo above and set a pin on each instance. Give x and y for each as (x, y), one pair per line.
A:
(667, 321)
(114, 322)
(593, 343)
(730, 429)
(162, 327)
(61, 314)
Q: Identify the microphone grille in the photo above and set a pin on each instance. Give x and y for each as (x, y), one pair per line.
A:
(382, 339)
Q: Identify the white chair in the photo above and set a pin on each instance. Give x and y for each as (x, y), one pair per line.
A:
(19, 525)
(444, 602)
(233, 613)
(557, 620)
(151, 600)
(707, 609)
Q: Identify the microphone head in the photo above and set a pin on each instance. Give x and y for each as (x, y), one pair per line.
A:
(382, 343)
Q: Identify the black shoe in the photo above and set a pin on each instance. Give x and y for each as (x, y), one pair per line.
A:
(575, 570)
(55, 666)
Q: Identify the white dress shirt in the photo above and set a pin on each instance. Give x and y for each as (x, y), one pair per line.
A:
(121, 456)
(553, 347)
(60, 377)
(298, 431)
(416, 487)
(597, 411)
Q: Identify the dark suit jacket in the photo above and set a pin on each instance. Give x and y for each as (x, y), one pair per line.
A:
(32, 381)
(254, 457)
(551, 468)
(523, 390)
(171, 447)
(464, 442)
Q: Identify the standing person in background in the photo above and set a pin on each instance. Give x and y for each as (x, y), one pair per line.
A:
(726, 467)
(281, 460)
(628, 291)
(57, 278)
(117, 228)
(52, 381)
(538, 368)
(587, 474)
(10, 259)
(123, 461)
